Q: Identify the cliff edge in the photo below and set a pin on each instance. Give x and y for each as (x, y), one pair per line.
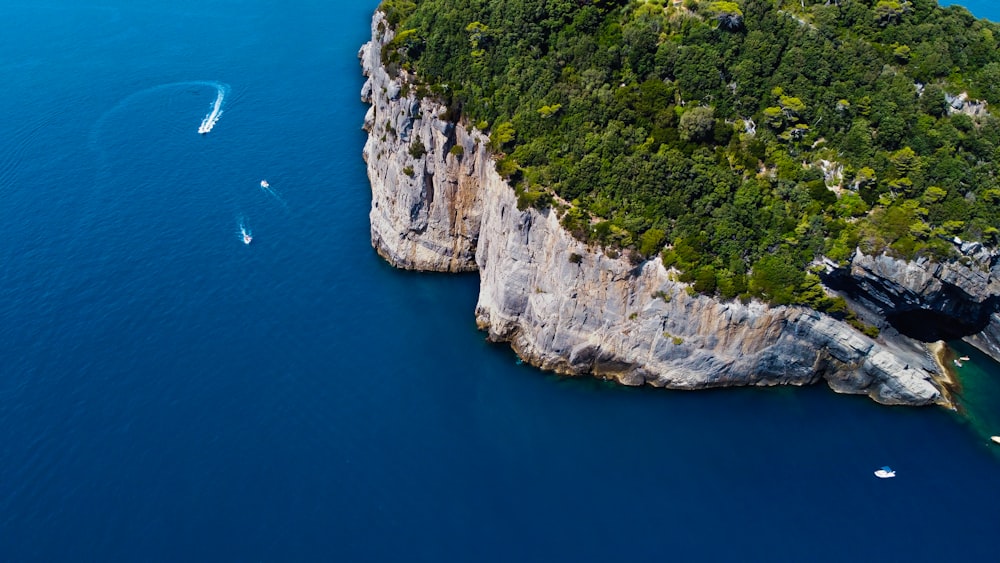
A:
(438, 204)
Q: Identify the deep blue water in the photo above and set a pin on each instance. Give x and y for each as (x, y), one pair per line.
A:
(168, 393)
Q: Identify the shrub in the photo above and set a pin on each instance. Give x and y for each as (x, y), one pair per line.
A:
(866, 329)
(530, 198)
(417, 148)
(506, 167)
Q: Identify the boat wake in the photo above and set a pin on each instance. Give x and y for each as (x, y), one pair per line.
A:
(273, 192)
(97, 132)
(213, 116)
(245, 233)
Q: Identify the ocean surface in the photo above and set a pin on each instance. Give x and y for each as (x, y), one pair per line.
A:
(981, 8)
(169, 393)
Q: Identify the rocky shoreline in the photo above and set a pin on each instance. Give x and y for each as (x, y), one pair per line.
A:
(574, 309)
(943, 357)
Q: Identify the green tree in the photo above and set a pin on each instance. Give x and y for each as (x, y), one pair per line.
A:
(651, 241)
(501, 134)
(905, 161)
(775, 277)
(697, 123)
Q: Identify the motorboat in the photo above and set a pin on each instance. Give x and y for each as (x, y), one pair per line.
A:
(264, 184)
(964, 358)
(995, 439)
(885, 472)
(247, 238)
(958, 363)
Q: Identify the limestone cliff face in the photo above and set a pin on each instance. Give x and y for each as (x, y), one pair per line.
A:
(425, 207)
(568, 307)
(634, 324)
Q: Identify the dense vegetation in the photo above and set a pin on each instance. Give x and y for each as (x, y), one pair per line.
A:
(743, 140)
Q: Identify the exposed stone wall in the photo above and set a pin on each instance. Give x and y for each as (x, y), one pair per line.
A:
(425, 209)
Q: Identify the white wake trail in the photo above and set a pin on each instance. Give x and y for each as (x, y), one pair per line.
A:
(213, 116)
(245, 232)
(222, 98)
(273, 192)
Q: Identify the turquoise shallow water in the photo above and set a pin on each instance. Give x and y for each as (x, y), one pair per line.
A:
(979, 392)
(169, 393)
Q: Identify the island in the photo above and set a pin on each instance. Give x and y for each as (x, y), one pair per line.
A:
(698, 194)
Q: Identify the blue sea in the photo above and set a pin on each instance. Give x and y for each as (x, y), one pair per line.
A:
(169, 393)
(981, 8)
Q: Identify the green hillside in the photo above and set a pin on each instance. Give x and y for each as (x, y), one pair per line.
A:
(743, 140)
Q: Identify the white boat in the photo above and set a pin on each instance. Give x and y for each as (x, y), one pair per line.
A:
(964, 358)
(264, 184)
(995, 439)
(957, 363)
(885, 473)
(247, 238)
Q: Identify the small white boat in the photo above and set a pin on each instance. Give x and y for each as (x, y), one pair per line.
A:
(964, 358)
(958, 364)
(264, 184)
(995, 439)
(885, 473)
(247, 238)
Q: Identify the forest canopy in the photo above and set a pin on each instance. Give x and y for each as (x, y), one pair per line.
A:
(742, 141)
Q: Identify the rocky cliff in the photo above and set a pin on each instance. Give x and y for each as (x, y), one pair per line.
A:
(438, 204)
(927, 299)
(426, 202)
(930, 300)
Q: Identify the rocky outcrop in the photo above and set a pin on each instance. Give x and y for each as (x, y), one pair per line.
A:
(574, 309)
(988, 340)
(930, 300)
(962, 104)
(957, 288)
(425, 203)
